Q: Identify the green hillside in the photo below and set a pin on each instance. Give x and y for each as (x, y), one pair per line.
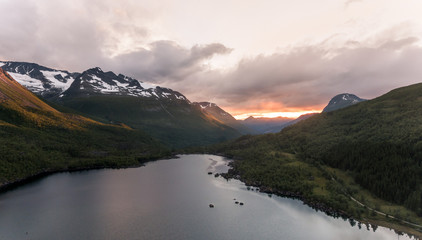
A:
(371, 151)
(379, 140)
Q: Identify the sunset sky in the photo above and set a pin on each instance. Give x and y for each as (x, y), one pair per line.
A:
(250, 57)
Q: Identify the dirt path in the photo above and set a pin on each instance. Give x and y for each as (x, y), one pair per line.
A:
(376, 211)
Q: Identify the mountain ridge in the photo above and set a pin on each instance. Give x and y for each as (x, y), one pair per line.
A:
(224, 117)
(115, 98)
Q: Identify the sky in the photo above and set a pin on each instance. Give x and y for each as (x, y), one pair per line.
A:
(261, 58)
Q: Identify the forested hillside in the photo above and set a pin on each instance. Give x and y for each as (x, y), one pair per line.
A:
(374, 146)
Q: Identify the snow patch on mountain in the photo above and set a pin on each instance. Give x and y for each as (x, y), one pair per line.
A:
(32, 84)
(146, 85)
(181, 97)
(119, 84)
(54, 76)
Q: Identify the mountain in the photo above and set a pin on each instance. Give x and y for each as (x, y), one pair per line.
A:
(278, 128)
(96, 82)
(264, 125)
(52, 84)
(337, 102)
(341, 101)
(371, 151)
(38, 139)
(224, 117)
(114, 98)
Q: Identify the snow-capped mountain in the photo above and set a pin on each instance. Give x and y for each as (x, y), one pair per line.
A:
(51, 83)
(341, 101)
(107, 97)
(95, 81)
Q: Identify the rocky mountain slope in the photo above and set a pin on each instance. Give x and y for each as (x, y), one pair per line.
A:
(224, 117)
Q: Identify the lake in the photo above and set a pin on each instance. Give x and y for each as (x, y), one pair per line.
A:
(166, 199)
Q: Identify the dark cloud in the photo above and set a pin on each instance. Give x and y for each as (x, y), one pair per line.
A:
(165, 60)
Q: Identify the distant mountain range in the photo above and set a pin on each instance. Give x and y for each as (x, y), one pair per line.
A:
(265, 125)
(252, 125)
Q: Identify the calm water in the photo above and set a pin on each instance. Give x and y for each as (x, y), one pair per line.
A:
(166, 199)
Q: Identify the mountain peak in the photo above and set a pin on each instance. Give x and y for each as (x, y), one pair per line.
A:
(341, 101)
(95, 69)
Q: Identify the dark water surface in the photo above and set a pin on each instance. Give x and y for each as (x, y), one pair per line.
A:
(167, 199)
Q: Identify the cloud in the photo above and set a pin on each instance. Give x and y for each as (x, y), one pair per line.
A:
(306, 77)
(79, 34)
(349, 2)
(71, 34)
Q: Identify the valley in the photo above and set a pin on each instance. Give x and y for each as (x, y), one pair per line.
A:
(211, 120)
(327, 160)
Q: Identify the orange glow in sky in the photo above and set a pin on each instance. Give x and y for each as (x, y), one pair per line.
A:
(274, 114)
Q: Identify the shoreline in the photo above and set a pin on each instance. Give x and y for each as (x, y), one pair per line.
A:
(398, 228)
(395, 225)
(9, 186)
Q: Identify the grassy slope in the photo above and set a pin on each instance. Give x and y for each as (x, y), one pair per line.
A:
(176, 124)
(371, 151)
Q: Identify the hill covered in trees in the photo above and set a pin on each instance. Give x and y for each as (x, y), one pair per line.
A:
(370, 151)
